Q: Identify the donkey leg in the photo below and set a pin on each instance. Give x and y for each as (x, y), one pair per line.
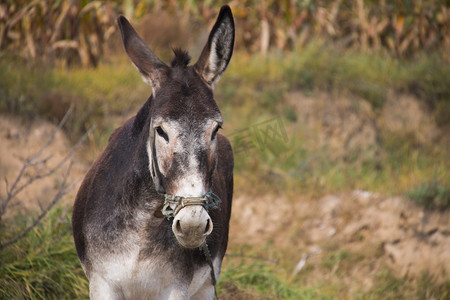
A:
(207, 290)
(204, 293)
(99, 288)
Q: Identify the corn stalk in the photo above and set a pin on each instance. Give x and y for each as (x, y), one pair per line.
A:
(70, 31)
(77, 30)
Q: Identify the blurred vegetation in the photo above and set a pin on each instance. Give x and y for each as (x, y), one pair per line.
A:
(255, 90)
(72, 31)
(369, 38)
(79, 30)
(98, 95)
(431, 194)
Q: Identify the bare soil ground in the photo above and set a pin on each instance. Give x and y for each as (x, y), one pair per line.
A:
(20, 140)
(381, 231)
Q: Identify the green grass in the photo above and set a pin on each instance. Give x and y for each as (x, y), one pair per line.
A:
(388, 286)
(44, 264)
(294, 166)
(431, 194)
(332, 277)
(98, 95)
(252, 86)
(260, 280)
(319, 66)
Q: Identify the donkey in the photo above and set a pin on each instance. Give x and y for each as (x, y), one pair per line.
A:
(151, 218)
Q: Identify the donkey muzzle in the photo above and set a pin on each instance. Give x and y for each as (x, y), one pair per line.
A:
(192, 225)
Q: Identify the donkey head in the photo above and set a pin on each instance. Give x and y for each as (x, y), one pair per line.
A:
(182, 142)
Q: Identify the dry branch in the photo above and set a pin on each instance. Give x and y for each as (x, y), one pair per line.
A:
(39, 160)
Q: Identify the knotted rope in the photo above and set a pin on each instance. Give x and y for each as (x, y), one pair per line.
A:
(173, 204)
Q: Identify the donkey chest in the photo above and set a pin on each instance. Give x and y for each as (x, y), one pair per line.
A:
(136, 279)
(155, 277)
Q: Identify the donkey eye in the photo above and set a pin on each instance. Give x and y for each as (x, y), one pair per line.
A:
(162, 134)
(214, 134)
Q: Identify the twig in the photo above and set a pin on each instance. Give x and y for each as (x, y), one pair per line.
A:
(12, 192)
(61, 192)
(35, 160)
(54, 169)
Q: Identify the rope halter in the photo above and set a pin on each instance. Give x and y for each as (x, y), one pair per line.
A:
(173, 204)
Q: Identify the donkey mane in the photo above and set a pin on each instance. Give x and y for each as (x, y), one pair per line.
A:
(181, 58)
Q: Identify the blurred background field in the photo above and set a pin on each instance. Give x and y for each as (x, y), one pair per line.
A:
(338, 113)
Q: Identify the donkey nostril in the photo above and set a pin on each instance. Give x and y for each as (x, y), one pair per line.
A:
(207, 227)
(178, 226)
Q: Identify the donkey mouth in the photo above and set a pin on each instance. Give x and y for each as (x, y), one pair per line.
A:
(191, 243)
(191, 239)
(191, 226)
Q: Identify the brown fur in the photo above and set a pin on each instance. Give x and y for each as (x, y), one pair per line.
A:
(119, 186)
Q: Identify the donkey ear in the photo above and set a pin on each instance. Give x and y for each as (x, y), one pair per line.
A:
(153, 70)
(218, 50)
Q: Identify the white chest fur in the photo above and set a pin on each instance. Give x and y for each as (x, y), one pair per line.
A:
(125, 277)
